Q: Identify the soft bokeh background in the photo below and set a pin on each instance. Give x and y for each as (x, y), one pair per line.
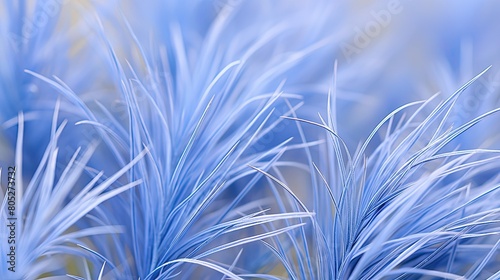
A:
(426, 47)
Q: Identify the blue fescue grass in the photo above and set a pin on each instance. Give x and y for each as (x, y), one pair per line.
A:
(50, 205)
(202, 199)
(413, 208)
(199, 185)
(201, 113)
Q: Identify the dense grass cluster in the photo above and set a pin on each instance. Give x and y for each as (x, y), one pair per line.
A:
(209, 139)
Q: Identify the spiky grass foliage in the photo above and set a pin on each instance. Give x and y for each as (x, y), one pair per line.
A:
(201, 103)
(200, 201)
(204, 120)
(416, 207)
(44, 212)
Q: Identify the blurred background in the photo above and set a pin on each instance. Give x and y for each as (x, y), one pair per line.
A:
(388, 52)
